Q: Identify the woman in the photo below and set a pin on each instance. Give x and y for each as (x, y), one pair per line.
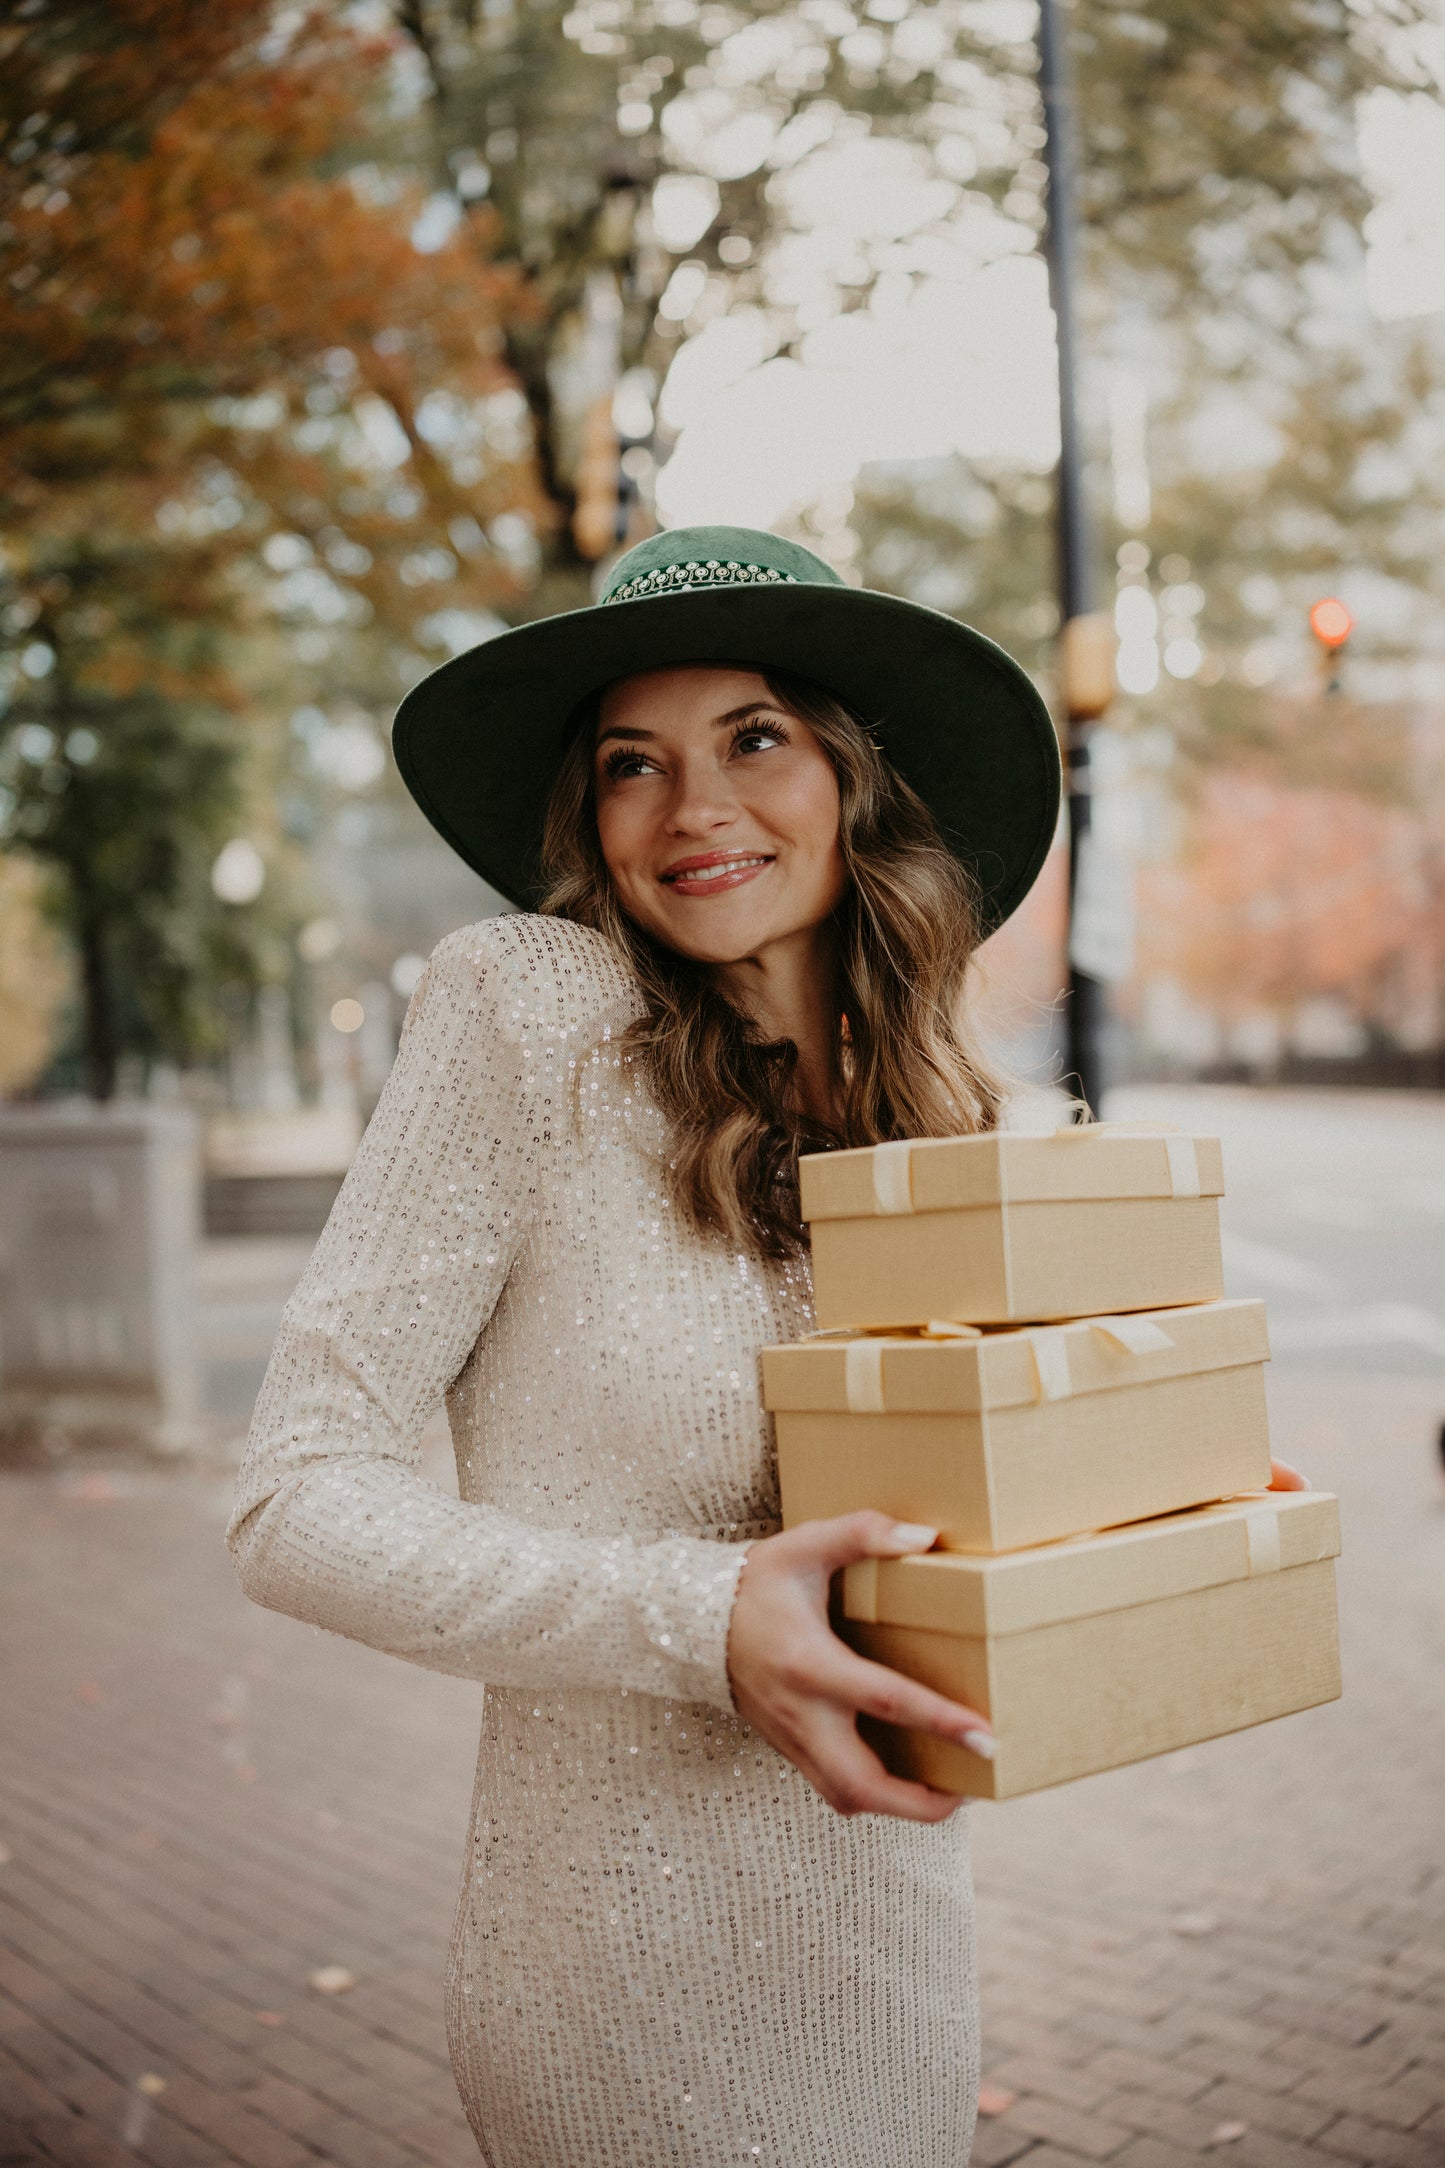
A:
(699, 1923)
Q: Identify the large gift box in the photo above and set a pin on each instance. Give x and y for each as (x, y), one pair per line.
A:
(1003, 1228)
(1011, 1438)
(1088, 1654)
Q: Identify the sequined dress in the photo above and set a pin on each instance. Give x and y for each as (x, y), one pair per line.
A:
(667, 1951)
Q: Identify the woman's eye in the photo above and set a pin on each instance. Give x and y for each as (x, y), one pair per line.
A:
(622, 764)
(758, 739)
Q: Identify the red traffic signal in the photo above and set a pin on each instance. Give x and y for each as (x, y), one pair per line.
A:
(1331, 623)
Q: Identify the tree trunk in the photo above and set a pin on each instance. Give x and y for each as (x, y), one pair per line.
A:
(101, 1051)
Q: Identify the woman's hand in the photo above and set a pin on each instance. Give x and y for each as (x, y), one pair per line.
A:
(803, 1689)
(1283, 1477)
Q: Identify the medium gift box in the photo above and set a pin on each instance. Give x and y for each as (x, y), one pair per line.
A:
(1010, 1438)
(1088, 1654)
(1006, 1228)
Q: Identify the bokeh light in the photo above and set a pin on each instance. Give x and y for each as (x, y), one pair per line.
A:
(239, 873)
(406, 974)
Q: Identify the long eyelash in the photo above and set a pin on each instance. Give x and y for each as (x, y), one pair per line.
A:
(748, 730)
(613, 763)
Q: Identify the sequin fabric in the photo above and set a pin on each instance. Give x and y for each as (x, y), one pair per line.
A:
(667, 1951)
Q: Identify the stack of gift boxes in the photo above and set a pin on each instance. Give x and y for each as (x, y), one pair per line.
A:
(1023, 1344)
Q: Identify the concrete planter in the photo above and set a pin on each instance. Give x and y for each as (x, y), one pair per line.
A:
(99, 1227)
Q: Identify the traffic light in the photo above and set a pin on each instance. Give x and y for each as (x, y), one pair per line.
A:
(1331, 622)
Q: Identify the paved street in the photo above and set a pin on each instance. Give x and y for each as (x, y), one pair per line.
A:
(1237, 1951)
(1335, 1214)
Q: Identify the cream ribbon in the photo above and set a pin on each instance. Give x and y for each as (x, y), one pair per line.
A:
(1183, 1166)
(1050, 1350)
(1137, 1335)
(1180, 1152)
(1052, 1376)
(892, 1177)
(863, 1377)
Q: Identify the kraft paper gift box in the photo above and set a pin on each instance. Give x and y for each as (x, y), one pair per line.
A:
(1013, 1438)
(1089, 1654)
(1005, 1228)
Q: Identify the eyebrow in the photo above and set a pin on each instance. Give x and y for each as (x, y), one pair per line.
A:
(719, 722)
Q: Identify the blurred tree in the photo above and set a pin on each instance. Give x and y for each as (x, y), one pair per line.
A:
(561, 121)
(34, 980)
(240, 394)
(1218, 168)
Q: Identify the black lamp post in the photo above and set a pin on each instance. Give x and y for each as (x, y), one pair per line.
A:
(1085, 647)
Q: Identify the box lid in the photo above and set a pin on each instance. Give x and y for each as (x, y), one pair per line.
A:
(962, 1593)
(963, 1372)
(946, 1174)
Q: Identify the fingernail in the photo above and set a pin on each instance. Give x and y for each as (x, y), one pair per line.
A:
(982, 1743)
(909, 1536)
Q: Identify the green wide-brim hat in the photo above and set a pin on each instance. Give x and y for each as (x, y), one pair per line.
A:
(480, 740)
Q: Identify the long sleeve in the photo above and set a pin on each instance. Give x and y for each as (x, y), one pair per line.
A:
(333, 1523)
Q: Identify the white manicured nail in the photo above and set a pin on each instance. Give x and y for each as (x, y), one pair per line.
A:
(981, 1743)
(909, 1536)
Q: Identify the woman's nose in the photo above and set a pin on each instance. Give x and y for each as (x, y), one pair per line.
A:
(700, 800)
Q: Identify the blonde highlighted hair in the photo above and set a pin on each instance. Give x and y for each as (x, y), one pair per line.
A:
(907, 929)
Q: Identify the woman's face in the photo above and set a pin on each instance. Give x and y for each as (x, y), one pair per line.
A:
(717, 812)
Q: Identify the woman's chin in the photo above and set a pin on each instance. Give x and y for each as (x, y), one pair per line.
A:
(731, 926)
(713, 932)
(711, 947)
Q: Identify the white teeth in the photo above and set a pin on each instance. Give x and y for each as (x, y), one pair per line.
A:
(715, 873)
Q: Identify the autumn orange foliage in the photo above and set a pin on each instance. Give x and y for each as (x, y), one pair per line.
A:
(210, 248)
(197, 231)
(1285, 893)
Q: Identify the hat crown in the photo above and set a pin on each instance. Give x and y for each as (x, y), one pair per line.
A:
(681, 559)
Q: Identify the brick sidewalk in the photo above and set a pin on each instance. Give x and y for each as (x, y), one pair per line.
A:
(1237, 1951)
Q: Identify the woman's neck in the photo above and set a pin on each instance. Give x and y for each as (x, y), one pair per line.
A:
(788, 990)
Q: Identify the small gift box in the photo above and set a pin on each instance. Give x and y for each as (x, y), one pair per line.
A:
(1007, 1228)
(1007, 1438)
(1088, 1654)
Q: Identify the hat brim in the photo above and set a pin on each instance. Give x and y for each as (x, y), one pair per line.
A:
(480, 740)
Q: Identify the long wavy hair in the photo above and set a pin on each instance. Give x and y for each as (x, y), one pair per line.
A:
(907, 928)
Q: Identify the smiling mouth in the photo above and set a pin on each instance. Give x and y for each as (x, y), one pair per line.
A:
(707, 876)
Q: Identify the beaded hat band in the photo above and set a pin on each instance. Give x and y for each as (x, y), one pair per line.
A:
(697, 572)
